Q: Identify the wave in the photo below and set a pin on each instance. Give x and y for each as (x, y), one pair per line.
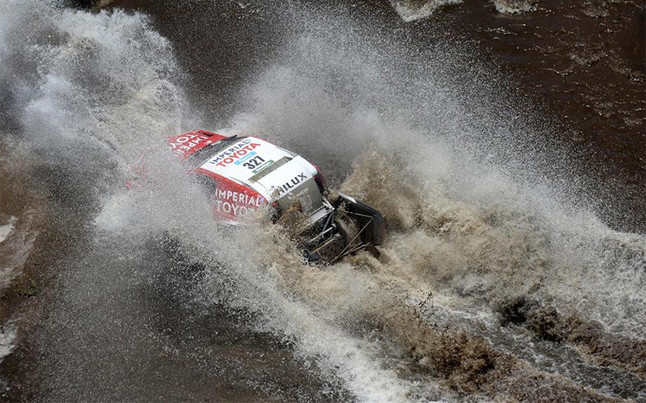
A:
(411, 10)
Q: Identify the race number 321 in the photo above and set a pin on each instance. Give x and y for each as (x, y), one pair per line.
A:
(254, 162)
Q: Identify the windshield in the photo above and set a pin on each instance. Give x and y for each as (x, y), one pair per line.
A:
(269, 169)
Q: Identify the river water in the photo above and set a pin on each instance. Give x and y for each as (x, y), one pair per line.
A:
(504, 142)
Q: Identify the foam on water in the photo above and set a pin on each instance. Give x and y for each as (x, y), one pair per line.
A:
(5, 230)
(8, 334)
(411, 10)
(515, 6)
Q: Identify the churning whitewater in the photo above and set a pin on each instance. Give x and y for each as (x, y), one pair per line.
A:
(498, 280)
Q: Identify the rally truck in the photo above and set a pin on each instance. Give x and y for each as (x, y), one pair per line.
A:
(242, 174)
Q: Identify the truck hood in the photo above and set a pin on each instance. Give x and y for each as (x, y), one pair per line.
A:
(273, 172)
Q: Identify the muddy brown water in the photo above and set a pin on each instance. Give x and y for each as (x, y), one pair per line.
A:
(96, 326)
(586, 63)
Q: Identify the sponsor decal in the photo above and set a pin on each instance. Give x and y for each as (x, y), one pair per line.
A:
(305, 198)
(286, 187)
(223, 206)
(182, 144)
(238, 197)
(245, 158)
(234, 153)
(235, 204)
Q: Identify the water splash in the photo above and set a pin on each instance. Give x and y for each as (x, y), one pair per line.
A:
(453, 166)
(480, 201)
